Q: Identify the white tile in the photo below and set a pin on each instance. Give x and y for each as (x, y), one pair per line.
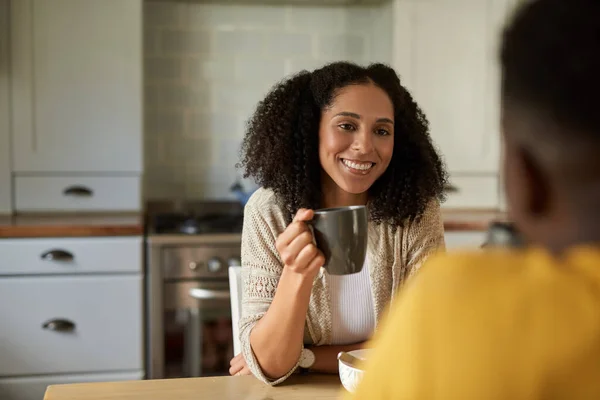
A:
(347, 46)
(163, 14)
(360, 19)
(158, 69)
(297, 64)
(202, 16)
(260, 69)
(210, 183)
(238, 42)
(175, 96)
(164, 123)
(238, 98)
(180, 42)
(199, 70)
(316, 19)
(151, 42)
(181, 151)
(228, 152)
(213, 125)
(289, 44)
(162, 182)
(152, 150)
(151, 97)
(200, 99)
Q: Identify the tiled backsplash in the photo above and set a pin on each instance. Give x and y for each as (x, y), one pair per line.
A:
(207, 65)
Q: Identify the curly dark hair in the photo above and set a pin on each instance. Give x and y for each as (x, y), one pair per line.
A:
(551, 63)
(280, 149)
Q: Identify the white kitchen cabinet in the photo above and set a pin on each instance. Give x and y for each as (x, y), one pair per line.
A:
(75, 324)
(76, 86)
(71, 311)
(469, 240)
(473, 192)
(71, 256)
(5, 182)
(33, 388)
(77, 193)
(447, 55)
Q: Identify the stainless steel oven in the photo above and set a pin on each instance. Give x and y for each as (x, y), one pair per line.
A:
(188, 309)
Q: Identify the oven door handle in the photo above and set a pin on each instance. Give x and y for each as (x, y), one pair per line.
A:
(207, 294)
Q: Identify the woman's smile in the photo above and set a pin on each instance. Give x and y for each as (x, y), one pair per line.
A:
(355, 167)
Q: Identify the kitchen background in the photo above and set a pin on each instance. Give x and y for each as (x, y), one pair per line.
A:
(120, 126)
(207, 65)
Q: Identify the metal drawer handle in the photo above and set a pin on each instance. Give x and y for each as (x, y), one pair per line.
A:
(449, 188)
(80, 191)
(57, 255)
(59, 325)
(207, 294)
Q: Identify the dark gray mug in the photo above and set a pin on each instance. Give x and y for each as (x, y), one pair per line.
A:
(342, 234)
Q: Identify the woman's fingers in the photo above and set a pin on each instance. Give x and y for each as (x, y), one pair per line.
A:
(304, 214)
(306, 256)
(317, 262)
(236, 359)
(290, 254)
(291, 233)
(238, 365)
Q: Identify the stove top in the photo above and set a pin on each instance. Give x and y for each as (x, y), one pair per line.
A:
(194, 218)
(197, 225)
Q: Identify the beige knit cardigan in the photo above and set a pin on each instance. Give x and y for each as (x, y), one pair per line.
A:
(393, 257)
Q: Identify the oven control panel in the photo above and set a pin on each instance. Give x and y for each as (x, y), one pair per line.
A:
(207, 261)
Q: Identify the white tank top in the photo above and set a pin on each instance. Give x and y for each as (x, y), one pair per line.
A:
(352, 311)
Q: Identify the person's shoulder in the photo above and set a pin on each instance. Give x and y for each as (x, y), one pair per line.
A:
(430, 219)
(265, 204)
(262, 198)
(475, 265)
(470, 278)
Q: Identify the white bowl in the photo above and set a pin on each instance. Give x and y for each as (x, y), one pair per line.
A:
(349, 375)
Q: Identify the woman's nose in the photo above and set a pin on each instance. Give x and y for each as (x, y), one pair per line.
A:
(363, 142)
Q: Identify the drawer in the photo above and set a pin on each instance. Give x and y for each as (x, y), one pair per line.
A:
(65, 325)
(473, 192)
(70, 255)
(83, 193)
(33, 388)
(464, 240)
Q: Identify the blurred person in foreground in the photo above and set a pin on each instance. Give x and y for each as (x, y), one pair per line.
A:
(521, 324)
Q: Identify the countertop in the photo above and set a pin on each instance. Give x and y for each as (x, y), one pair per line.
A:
(131, 224)
(71, 225)
(470, 219)
(318, 387)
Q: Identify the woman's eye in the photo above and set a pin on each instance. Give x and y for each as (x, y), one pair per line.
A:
(346, 127)
(382, 132)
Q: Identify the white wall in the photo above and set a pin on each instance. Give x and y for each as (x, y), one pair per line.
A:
(206, 66)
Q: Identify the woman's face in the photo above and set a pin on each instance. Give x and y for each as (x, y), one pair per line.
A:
(356, 137)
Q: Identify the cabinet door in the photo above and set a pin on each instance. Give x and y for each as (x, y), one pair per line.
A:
(63, 325)
(446, 54)
(34, 387)
(77, 85)
(5, 184)
(469, 240)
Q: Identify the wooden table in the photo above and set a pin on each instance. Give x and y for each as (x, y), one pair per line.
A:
(318, 387)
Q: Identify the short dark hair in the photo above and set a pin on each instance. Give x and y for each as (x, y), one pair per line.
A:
(280, 149)
(550, 60)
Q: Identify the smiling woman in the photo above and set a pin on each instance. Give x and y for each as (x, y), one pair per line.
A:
(339, 136)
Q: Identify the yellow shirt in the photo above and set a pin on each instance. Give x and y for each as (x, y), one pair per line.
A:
(492, 326)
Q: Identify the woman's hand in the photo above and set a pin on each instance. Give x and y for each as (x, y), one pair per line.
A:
(296, 247)
(238, 366)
